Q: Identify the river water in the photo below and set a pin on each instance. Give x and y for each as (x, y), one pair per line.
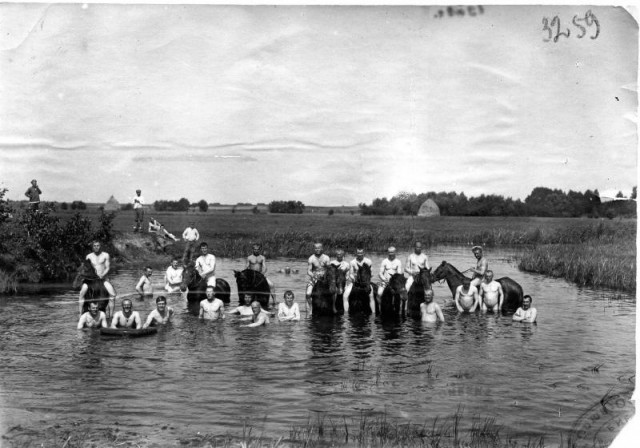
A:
(202, 377)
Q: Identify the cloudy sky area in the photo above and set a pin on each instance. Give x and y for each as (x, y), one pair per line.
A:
(327, 105)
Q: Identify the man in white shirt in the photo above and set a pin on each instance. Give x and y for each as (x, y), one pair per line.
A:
(190, 236)
(206, 265)
(138, 208)
(389, 266)
(415, 261)
(173, 276)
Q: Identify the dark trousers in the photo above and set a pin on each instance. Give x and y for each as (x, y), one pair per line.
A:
(139, 218)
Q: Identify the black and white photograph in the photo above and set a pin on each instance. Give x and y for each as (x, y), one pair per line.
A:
(321, 225)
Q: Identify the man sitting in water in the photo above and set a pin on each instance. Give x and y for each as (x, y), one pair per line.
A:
(211, 308)
(467, 298)
(481, 266)
(127, 318)
(206, 265)
(526, 313)
(93, 318)
(144, 286)
(259, 317)
(317, 265)
(161, 315)
(288, 310)
(429, 310)
(257, 262)
(491, 295)
(389, 266)
(173, 276)
(101, 262)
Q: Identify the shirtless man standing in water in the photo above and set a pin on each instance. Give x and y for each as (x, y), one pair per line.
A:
(467, 298)
(127, 318)
(257, 262)
(481, 266)
(491, 294)
(101, 262)
(429, 310)
(93, 318)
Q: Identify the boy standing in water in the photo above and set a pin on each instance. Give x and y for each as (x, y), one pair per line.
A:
(429, 310)
(526, 313)
(288, 310)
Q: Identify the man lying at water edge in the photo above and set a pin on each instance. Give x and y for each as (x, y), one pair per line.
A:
(491, 294)
(429, 310)
(467, 298)
(161, 315)
(127, 318)
(526, 313)
(211, 308)
(259, 317)
(101, 262)
(93, 318)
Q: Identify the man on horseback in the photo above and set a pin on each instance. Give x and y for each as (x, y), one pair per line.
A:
(317, 264)
(342, 266)
(389, 266)
(415, 261)
(257, 262)
(101, 262)
(354, 265)
(481, 266)
(206, 265)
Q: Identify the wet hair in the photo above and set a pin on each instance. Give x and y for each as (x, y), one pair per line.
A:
(428, 292)
(148, 267)
(161, 299)
(256, 245)
(487, 271)
(255, 302)
(528, 297)
(209, 286)
(203, 244)
(127, 300)
(288, 292)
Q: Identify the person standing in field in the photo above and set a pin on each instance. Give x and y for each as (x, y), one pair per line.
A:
(354, 265)
(101, 262)
(415, 261)
(466, 298)
(491, 294)
(33, 193)
(144, 286)
(138, 209)
(389, 266)
(206, 265)
(173, 276)
(317, 265)
(526, 313)
(481, 266)
(190, 236)
(257, 262)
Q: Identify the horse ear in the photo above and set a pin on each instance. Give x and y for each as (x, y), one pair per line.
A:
(443, 263)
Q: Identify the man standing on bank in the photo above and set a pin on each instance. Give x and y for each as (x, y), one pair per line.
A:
(138, 209)
(190, 237)
(33, 193)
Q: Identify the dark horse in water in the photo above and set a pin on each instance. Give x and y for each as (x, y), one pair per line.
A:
(512, 290)
(253, 283)
(197, 286)
(361, 290)
(324, 292)
(421, 283)
(394, 296)
(96, 291)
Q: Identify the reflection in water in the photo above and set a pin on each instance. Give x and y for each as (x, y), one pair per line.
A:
(192, 372)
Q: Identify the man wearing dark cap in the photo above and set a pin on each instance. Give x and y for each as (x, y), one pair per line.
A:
(481, 266)
(138, 209)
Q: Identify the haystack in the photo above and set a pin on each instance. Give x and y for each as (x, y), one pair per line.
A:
(112, 204)
(429, 208)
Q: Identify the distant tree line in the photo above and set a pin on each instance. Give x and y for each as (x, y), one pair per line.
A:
(541, 202)
(286, 207)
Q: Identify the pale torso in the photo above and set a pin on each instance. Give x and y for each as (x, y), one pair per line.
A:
(91, 322)
(206, 264)
(99, 262)
(481, 266)
(145, 285)
(256, 262)
(122, 321)
(158, 318)
(416, 262)
(342, 265)
(354, 265)
(244, 310)
(212, 310)
(174, 276)
(490, 293)
(318, 264)
(390, 267)
(467, 298)
(285, 312)
(428, 312)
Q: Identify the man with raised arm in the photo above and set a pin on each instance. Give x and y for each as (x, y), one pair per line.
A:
(257, 262)
(317, 265)
(101, 262)
(127, 318)
(415, 261)
(389, 266)
(491, 293)
(467, 298)
(481, 266)
(206, 265)
(354, 265)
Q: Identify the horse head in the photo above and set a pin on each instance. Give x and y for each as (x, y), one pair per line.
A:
(397, 285)
(423, 278)
(86, 273)
(190, 277)
(341, 278)
(441, 272)
(363, 276)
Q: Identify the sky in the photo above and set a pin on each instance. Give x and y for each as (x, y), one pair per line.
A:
(326, 105)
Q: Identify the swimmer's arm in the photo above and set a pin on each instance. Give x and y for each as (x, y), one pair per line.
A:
(107, 265)
(263, 268)
(457, 299)
(114, 321)
(245, 318)
(137, 320)
(517, 316)
(407, 266)
(139, 285)
(382, 270)
(248, 264)
(310, 268)
(149, 320)
(439, 312)
(500, 296)
(221, 309)
(259, 321)
(296, 312)
(426, 263)
(234, 311)
(201, 313)
(197, 234)
(81, 322)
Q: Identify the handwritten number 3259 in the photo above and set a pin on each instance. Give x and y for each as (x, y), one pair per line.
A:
(553, 27)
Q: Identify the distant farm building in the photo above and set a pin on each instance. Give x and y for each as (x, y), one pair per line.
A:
(429, 208)
(112, 205)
